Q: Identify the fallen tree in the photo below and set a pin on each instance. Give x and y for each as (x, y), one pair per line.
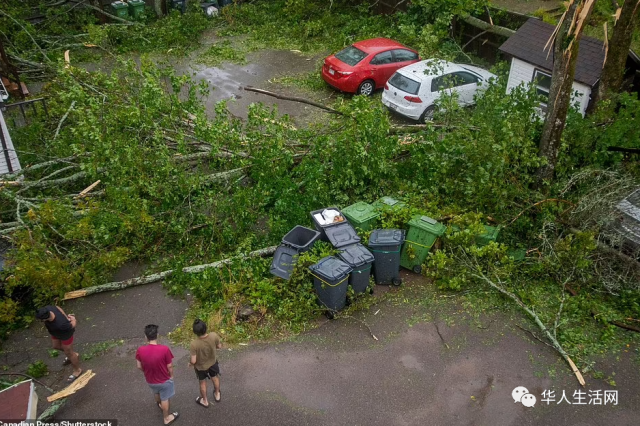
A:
(120, 285)
(554, 342)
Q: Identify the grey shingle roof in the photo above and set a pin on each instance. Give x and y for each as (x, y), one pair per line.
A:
(529, 41)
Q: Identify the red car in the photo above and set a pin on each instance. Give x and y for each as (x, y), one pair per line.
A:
(366, 65)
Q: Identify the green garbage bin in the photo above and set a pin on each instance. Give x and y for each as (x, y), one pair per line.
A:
(362, 215)
(490, 234)
(120, 9)
(423, 233)
(388, 203)
(136, 8)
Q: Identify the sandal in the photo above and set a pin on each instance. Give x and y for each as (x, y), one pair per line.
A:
(72, 378)
(66, 361)
(175, 417)
(199, 402)
(219, 396)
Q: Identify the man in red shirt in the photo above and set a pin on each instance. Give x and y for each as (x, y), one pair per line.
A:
(155, 361)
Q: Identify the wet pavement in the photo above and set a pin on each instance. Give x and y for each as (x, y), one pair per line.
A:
(335, 374)
(228, 80)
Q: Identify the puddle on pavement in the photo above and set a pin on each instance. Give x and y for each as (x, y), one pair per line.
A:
(228, 80)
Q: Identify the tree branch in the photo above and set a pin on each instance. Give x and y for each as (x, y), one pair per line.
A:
(479, 23)
(64, 117)
(27, 32)
(537, 320)
(294, 99)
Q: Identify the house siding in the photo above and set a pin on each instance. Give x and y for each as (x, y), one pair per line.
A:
(522, 72)
(13, 157)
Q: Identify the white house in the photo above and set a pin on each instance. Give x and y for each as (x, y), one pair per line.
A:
(9, 162)
(532, 63)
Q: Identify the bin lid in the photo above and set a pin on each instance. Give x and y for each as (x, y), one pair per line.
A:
(428, 224)
(136, 2)
(389, 201)
(283, 262)
(356, 255)
(360, 212)
(386, 237)
(331, 269)
(118, 4)
(342, 235)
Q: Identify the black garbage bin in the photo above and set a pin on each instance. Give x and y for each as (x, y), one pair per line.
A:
(359, 259)
(385, 244)
(320, 223)
(298, 240)
(331, 279)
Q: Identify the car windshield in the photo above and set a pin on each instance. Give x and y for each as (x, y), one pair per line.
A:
(351, 55)
(405, 84)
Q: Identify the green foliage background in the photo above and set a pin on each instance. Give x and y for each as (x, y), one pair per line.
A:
(132, 128)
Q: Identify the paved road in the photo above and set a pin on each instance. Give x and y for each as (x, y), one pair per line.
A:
(336, 374)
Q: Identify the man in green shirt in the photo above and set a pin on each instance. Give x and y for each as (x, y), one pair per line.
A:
(204, 360)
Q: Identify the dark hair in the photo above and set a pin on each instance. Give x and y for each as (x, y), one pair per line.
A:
(151, 331)
(199, 327)
(43, 314)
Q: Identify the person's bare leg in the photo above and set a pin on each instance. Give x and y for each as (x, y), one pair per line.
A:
(203, 393)
(216, 387)
(56, 344)
(165, 411)
(157, 398)
(74, 358)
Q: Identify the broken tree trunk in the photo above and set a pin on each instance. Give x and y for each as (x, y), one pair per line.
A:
(120, 285)
(617, 52)
(564, 41)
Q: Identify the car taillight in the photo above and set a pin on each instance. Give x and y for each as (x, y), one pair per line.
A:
(344, 72)
(386, 86)
(413, 99)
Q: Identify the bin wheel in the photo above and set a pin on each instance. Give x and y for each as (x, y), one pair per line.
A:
(396, 281)
(417, 269)
(330, 314)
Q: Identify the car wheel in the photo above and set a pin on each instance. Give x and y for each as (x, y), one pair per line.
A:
(366, 88)
(427, 115)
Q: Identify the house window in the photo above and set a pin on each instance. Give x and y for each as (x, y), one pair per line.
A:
(542, 81)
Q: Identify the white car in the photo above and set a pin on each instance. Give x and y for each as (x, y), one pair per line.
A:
(413, 90)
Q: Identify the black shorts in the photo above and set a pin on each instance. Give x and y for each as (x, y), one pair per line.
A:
(212, 372)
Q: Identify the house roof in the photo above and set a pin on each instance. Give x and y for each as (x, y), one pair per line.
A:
(529, 41)
(15, 401)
